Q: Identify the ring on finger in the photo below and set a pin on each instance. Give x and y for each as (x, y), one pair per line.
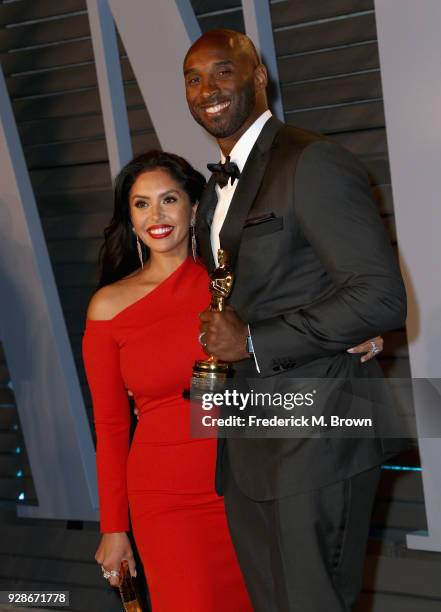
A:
(374, 348)
(109, 573)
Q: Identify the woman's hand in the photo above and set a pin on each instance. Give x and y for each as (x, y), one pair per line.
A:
(370, 348)
(135, 409)
(114, 548)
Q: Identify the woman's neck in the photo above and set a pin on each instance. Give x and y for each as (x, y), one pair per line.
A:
(161, 265)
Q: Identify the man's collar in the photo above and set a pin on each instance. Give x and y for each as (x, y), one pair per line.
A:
(239, 153)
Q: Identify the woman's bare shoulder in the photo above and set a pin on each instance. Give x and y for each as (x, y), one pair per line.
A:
(109, 300)
(102, 304)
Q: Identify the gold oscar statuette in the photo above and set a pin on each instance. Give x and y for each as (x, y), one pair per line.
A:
(209, 373)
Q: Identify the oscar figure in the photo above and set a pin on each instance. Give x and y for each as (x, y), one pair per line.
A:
(211, 373)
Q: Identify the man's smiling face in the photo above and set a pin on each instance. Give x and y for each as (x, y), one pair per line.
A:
(220, 86)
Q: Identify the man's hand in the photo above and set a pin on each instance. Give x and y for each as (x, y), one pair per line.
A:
(224, 334)
(370, 349)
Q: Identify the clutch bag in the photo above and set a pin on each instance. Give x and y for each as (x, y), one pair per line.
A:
(127, 590)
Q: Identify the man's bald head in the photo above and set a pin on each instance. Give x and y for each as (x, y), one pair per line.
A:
(236, 41)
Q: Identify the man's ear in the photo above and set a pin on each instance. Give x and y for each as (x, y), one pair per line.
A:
(260, 77)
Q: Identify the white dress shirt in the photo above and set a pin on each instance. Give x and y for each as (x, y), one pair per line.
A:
(239, 155)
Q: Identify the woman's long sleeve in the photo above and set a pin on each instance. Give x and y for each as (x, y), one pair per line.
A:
(112, 423)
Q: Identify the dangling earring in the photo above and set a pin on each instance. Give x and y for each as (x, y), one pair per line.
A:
(194, 247)
(138, 248)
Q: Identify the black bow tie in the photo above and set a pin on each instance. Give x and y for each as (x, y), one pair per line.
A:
(222, 172)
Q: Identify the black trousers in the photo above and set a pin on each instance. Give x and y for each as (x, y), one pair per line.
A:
(303, 553)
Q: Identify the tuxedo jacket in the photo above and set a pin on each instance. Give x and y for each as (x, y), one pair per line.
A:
(314, 275)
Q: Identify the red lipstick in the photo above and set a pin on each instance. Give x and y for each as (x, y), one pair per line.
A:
(160, 231)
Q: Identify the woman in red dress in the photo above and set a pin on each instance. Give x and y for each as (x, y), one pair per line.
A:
(142, 334)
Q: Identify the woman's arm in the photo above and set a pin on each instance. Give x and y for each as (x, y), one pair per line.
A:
(112, 425)
(112, 422)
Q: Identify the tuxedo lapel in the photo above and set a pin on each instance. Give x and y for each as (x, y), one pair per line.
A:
(247, 188)
(204, 218)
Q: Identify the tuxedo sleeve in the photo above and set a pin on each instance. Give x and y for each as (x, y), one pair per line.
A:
(112, 423)
(335, 211)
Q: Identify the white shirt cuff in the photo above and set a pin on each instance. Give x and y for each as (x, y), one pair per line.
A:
(252, 349)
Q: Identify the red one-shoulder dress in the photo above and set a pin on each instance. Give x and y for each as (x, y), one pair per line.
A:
(166, 477)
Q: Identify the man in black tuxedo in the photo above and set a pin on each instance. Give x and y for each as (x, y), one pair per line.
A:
(314, 274)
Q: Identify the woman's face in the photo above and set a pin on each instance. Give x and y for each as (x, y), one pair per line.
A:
(160, 211)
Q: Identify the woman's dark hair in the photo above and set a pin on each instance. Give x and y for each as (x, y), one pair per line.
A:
(118, 255)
